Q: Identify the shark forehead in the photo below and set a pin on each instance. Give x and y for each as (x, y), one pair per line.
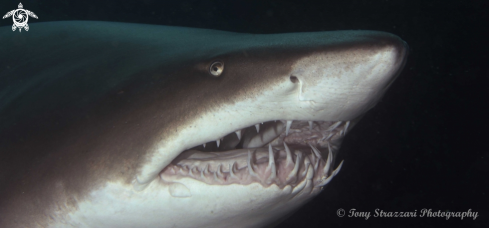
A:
(98, 118)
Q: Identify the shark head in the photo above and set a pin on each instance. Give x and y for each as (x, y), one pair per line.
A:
(179, 127)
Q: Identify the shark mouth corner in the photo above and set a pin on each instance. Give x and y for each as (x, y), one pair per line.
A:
(284, 153)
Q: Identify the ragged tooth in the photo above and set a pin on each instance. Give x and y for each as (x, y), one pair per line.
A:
(192, 172)
(218, 142)
(313, 158)
(346, 126)
(181, 171)
(327, 180)
(250, 165)
(271, 165)
(316, 165)
(215, 177)
(289, 160)
(257, 126)
(219, 173)
(293, 174)
(329, 136)
(310, 173)
(289, 122)
(202, 173)
(206, 169)
(307, 162)
(334, 126)
(329, 160)
(337, 170)
(310, 125)
(332, 148)
(315, 150)
(238, 133)
(271, 159)
(231, 170)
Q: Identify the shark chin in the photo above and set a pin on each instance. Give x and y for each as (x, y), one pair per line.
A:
(118, 125)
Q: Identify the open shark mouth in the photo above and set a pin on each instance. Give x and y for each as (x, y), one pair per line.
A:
(284, 153)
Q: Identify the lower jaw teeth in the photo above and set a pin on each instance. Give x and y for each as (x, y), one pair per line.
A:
(267, 166)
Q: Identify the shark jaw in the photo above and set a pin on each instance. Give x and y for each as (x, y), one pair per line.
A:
(293, 159)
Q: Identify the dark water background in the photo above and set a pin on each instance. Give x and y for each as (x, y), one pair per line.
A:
(425, 145)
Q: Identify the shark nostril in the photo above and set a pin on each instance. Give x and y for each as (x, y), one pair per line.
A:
(294, 79)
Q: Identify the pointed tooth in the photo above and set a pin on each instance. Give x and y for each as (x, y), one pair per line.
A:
(329, 136)
(238, 133)
(307, 162)
(310, 125)
(310, 172)
(341, 132)
(289, 122)
(219, 173)
(181, 171)
(231, 170)
(327, 180)
(257, 126)
(215, 177)
(293, 174)
(192, 172)
(250, 165)
(203, 145)
(218, 142)
(202, 172)
(346, 126)
(315, 150)
(329, 160)
(313, 158)
(337, 170)
(334, 126)
(316, 165)
(271, 165)
(206, 169)
(271, 159)
(330, 148)
(289, 156)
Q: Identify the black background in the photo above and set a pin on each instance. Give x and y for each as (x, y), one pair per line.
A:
(423, 146)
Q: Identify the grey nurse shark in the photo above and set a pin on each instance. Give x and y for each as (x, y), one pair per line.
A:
(129, 125)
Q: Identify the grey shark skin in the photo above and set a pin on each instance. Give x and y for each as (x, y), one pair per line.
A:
(104, 124)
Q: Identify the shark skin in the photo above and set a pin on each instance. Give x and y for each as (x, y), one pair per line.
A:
(108, 124)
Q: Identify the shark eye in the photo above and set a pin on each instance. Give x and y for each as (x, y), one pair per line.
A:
(216, 68)
(294, 79)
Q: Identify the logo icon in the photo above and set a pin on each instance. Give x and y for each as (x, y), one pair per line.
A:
(20, 17)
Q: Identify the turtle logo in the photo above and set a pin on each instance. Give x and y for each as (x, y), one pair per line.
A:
(20, 17)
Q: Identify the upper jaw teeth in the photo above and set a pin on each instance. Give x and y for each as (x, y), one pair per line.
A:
(291, 128)
(289, 123)
(238, 134)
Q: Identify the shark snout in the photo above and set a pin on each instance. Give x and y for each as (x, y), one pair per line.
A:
(346, 82)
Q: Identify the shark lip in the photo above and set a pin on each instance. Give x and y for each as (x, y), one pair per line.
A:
(284, 153)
